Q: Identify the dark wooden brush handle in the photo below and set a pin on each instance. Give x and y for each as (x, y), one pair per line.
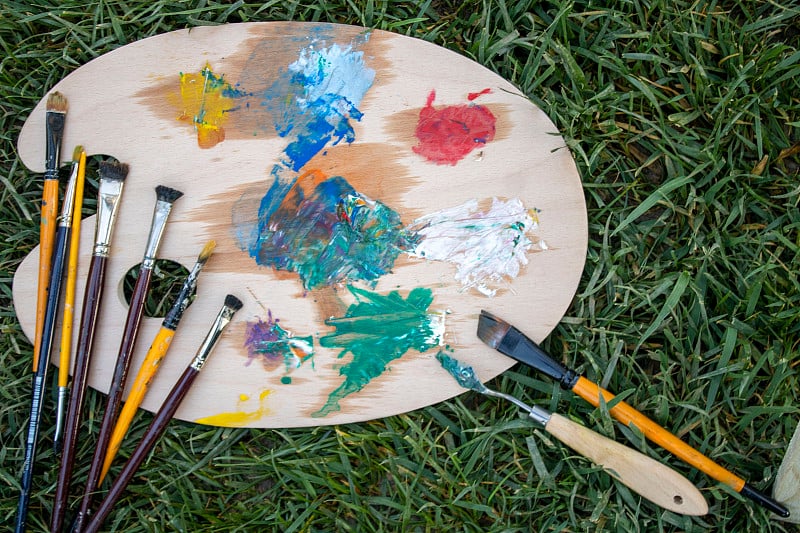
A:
(116, 390)
(143, 449)
(91, 306)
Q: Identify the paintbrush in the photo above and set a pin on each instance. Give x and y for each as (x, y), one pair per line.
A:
(69, 297)
(55, 119)
(60, 243)
(158, 349)
(165, 197)
(509, 341)
(112, 179)
(164, 415)
(642, 474)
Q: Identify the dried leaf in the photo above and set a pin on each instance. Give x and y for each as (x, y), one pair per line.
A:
(759, 168)
(789, 152)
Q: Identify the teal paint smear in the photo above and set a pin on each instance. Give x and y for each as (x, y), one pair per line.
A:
(462, 373)
(328, 233)
(377, 330)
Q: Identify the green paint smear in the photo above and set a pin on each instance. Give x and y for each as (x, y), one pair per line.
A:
(376, 330)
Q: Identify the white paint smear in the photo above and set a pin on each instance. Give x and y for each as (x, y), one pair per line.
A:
(488, 248)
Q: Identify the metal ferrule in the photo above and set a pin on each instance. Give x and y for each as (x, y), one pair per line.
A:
(223, 319)
(107, 204)
(160, 215)
(63, 398)
(65, 219)
(539, 415)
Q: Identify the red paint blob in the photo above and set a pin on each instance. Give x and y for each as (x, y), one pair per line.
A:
(473, 96)
(448, 134)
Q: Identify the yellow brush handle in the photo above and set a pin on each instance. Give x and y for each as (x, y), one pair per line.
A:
(47, 237)
(158, 349)
(628, 415)
(72, 275)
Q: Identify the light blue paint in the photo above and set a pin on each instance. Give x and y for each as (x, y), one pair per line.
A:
(313, 104)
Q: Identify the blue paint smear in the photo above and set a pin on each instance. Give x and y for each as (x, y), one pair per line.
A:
(327, 233)
(313, 104)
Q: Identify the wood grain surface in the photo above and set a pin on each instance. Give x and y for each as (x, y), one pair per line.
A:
(128, 104)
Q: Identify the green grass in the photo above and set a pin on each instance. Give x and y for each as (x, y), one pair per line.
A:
(684, 120)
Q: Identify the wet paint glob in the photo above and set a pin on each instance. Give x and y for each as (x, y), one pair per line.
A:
(206, 100)
(446, 135)
(375, 331)
(488, 247)
(463, 374)
(274, 347)
(328, 233)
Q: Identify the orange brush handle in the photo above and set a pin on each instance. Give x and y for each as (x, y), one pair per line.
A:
(158, 349)
(47, 233)
(628, 415)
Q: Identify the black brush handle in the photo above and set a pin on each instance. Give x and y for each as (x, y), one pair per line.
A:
(521, 348)
(40, 377)
(116, 390)
(764, 501)
(26, 481)
(92, 299)
(143, 449)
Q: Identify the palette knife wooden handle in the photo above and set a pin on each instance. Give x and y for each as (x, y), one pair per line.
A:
(655, 481)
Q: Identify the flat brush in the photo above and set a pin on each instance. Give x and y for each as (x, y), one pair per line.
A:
(112, 179)
(55, 118)
(54, 285)
(642, 474)
(152, 361)
(79, 159)
(165, 197)
(165, 413)
(509, 341)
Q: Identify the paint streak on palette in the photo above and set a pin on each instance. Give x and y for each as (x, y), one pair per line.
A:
(369, 194)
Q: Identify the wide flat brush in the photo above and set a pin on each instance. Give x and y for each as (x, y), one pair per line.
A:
(165, 414)
(54, 285)
(152, 361)
(79, 156)
(509, 341)
(642, 474)
(165, 197)
(55, 119)
(112, 179)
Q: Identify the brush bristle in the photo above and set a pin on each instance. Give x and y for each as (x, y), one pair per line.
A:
(167, 194)
(113, 170)
(208, 249)
(57, 102)
(491, 329)
(233, 302)
(76, 153)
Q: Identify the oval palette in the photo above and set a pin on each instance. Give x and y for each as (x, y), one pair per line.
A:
(369, 194)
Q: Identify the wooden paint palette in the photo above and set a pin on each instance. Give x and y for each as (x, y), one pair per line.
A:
(222, 113)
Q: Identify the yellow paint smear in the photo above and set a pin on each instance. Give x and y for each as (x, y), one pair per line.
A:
(206, 104)
(238, 419)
